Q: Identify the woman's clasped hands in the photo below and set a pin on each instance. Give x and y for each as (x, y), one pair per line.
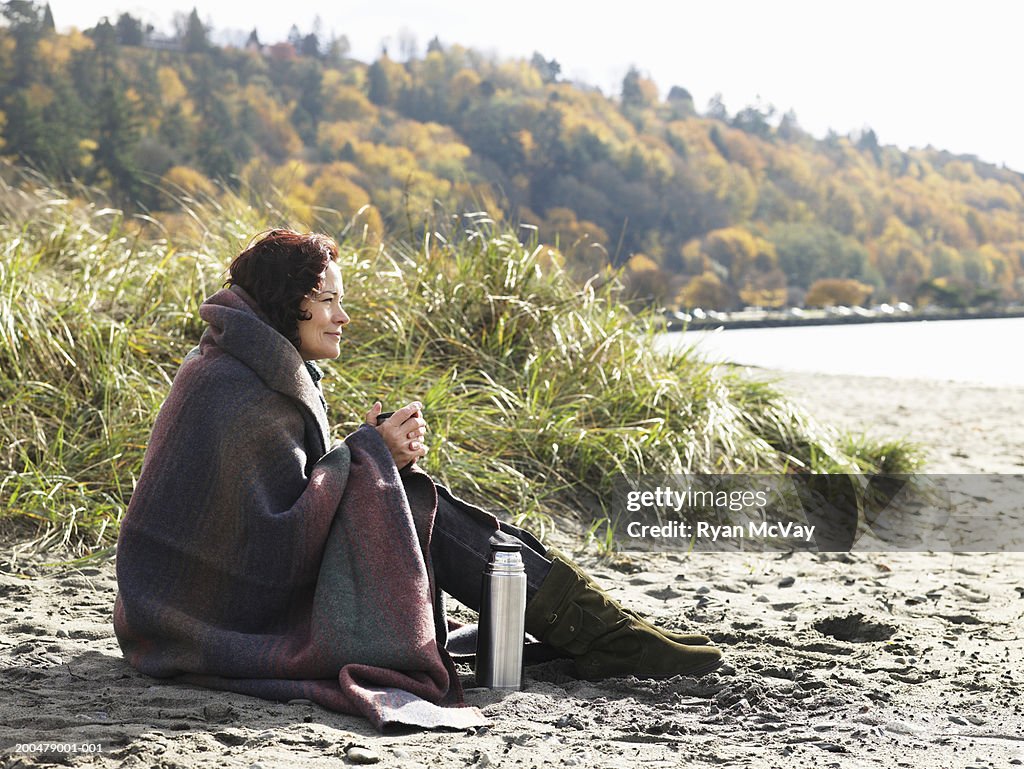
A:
(403, 431)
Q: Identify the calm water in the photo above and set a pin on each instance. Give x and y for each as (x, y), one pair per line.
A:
(982, 351)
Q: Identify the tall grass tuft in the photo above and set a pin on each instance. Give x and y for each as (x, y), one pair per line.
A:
(96, 312)
(539, 392)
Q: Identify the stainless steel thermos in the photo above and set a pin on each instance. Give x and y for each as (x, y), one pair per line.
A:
(499, 645)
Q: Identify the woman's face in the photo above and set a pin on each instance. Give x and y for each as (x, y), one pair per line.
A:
(320, 336)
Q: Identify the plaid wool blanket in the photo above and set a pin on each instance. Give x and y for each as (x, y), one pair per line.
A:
(254, 559)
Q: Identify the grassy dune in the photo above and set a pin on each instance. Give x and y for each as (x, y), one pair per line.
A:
(539, 392)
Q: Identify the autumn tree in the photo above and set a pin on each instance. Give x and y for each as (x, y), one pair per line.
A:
(182, 180)
(707, 291)
(954, 293)
(899, 255)
(830, 292)
(270, 124)
(740, 253)
(583, 244)
(845, 213)
(646, 284)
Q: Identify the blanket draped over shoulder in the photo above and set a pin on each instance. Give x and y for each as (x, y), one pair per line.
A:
(257, 559)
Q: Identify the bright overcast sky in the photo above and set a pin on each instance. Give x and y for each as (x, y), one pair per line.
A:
(917, 72)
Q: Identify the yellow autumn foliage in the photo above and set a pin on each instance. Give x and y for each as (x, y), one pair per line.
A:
(172, 90)
(831, 292)
(182, 180)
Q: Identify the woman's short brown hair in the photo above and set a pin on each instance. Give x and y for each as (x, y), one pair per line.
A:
(279, 270)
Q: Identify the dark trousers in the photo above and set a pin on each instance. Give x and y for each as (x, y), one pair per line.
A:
(460, 549)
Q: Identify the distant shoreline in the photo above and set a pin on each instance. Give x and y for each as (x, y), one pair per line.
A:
(774, 319)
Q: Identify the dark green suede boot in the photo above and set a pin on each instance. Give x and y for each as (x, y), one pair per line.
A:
(688, 639)
(571, 613)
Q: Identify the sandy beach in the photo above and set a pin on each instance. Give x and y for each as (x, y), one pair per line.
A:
(833, 660)
(965, 428)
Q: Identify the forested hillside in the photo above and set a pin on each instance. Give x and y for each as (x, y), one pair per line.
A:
(701, 208)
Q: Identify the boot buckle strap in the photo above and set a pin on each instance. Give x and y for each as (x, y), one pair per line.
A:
(573, 632)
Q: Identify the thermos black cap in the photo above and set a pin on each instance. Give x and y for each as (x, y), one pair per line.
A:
(503, 543)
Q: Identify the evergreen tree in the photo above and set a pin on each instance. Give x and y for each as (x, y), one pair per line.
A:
(310, 46)
(754, 120)
(716, 108)
(680, 101)
(48, 25)
(22, 13)
(868, 142)
(117, 130)
(197, 38)
(129, 30)
(66, 124)
(26, 25)
(337, 49)
(173, 129)
(637, 91)
(379, 84)
(549, 70)
(716, 138)
(631, 96)
(105, 37)
(306, 117)
(220, 144)
(25, 131)
(789, 127)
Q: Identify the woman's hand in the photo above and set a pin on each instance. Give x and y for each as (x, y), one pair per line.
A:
(403, 431)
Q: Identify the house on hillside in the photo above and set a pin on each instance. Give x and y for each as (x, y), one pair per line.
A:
(163, 43)
(281, 51)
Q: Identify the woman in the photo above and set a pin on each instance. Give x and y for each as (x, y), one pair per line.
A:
(258, 558)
